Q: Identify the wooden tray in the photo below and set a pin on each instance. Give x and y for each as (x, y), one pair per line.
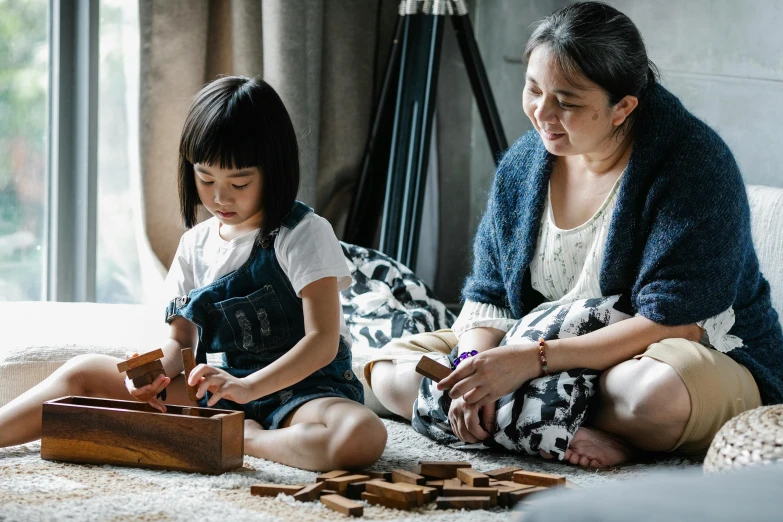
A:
(131, 433)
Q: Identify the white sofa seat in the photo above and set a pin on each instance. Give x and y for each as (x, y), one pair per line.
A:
(39, 337)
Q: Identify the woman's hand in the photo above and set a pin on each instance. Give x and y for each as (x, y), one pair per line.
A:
(220, 384)
(471, 423)
(488, 376)
(149, 393)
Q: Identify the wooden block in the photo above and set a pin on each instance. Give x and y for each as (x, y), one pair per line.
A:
(437, 484)
(471, 477)
(506, 473)
(140, 360)
(503, 491)
(377, 500)
(343, 505)
(470, 491)
(393, 491)
(327, 492)
(146, 368)
(520, 494)
(355, 489)
(310, 492)
(441, 470)
(452, 483)
(432, 369)
(272, 490)
(463, 502)
(189, 362)
(134, 434)
(382, 475)
(514, 485)
(418, 490)
(539, 479)
(430, 493)
(401, 475)
(332, 474)
(147, 378)
(340, 484)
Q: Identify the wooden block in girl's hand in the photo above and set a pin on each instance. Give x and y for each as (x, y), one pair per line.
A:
(147, 378)
(340, 484)
(401, 475)
(506, 473)
(146, 368)
(432, 369)
(310, 492)
(463, 502)
(140, 360)
(539, 479)
(272, 490)
(377, 500)
(189, 362)
(332, 474)
(471, 477)
(343, 505)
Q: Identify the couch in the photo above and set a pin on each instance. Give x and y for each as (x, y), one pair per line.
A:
(38, 337)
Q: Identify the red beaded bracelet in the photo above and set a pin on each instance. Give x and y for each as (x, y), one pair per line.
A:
(542, 355)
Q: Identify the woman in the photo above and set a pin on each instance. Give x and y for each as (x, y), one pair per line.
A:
(617, 190)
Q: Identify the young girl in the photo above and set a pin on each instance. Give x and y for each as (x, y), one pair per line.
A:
(259, 283)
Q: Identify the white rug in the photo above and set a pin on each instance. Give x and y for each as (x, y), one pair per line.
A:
(34, 489)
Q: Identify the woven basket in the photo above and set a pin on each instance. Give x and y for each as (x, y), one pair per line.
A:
(749, 439)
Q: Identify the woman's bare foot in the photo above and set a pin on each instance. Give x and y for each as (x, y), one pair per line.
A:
(591, 448)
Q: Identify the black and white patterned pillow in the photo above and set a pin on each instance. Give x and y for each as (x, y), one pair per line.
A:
(544, 413)
(387, 301)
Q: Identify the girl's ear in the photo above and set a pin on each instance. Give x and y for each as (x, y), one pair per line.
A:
(623, 109)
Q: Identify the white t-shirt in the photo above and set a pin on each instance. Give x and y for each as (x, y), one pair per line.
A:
(307, 253)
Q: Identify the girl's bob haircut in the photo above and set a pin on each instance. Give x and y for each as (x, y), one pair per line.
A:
(237, 122)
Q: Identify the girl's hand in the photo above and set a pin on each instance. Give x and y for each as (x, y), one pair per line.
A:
(149, 393)
(220, 384)
(469, 422)
(488, 376)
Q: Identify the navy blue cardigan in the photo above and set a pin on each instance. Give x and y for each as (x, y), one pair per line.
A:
(679, 241)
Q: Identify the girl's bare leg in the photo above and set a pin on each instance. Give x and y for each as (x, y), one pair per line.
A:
(89, 375)
(396, 385)
(321, 435)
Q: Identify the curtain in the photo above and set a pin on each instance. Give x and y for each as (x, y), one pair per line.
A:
(324, 58)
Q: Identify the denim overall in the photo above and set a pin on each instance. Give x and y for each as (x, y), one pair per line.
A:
(253, 316)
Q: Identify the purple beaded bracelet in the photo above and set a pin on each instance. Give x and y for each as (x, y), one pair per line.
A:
(464, 356)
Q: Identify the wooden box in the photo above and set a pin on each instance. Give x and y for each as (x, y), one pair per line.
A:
(131, 433)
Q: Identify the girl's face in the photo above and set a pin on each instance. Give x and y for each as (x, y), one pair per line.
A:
(571, 119)
(233, 196)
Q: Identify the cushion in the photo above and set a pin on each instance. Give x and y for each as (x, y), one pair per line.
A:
(766, 221)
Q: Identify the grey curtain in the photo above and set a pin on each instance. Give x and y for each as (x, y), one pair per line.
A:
(321, 57)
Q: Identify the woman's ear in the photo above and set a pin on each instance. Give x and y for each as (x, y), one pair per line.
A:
(623, 109)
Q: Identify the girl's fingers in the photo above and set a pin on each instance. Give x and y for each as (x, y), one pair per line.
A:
(457, 375)
(473, 425)
(202, 388)
(464, 386)
(475, 395)
(202, 370)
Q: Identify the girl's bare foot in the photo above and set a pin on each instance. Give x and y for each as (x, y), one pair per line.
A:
(591, 448)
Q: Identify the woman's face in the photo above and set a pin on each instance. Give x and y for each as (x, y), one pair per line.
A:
(571, 119)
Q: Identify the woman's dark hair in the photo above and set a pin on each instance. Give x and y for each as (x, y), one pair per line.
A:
(237, 122)
(602, 44)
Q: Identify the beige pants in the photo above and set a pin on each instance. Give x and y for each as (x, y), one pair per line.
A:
(720, 388)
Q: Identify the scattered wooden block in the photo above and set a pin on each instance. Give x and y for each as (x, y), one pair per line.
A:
(394, 491)
(382, 475)
(310, 492)
(432, 369)
(189, 362)
(471, 477)
(146, 368)
(327, 492)
(147, 378)
(421, 497)
(355, 489)
(139, 360)
(470, 491)
(437, 484)
(332, 474)
(441, 469)
(514, 485)
(520, 494)
(343, 505)
(452, 483)
(377, 500)
(506, 473)
(503, 491)
(340, 484)
(539, 479)
(401, 475)
(272, 490)
(463, 502)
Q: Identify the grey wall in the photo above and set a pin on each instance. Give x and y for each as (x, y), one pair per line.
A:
(723, 58)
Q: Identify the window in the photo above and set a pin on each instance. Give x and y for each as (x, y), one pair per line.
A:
(24, 77)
